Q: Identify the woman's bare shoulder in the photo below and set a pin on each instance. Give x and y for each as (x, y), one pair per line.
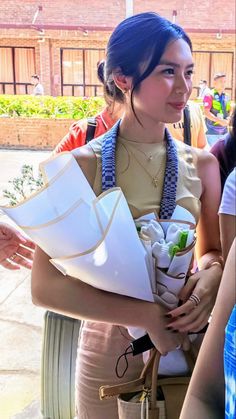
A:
(208, 171)
(87, 160)
(205, 160)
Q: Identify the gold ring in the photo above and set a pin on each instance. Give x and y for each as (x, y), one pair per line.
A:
(195, 299)
(13, 257)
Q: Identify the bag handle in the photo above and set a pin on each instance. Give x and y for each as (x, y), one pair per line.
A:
(132, 386)
(108, 391)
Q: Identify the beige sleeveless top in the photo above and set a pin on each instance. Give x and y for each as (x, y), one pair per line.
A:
(136, 166)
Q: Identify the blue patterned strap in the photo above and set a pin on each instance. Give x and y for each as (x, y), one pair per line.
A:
(168, 200)
(108, 157)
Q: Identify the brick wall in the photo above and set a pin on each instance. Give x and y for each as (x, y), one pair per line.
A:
(191, 14)
(73, 12)
(32, 133)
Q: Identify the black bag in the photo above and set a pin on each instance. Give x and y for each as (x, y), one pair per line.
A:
(187, 126)
(92, 123)
(60, 343)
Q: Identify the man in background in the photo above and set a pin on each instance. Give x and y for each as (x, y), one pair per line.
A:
(38, 89)
(217, 110)
(203, 89)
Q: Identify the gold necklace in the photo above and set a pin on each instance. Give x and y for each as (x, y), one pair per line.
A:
(155, 180)
(149, 158)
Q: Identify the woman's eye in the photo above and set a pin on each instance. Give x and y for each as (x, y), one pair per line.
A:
(169, 71)
(189, 73)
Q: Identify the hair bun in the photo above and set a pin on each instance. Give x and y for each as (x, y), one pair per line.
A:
(100, 70)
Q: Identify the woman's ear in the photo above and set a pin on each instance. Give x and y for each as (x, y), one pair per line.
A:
(121, 81)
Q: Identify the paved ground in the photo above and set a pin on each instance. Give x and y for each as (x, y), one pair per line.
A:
(20, 321)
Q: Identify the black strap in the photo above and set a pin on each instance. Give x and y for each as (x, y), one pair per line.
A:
(187, 126)
(92, 123)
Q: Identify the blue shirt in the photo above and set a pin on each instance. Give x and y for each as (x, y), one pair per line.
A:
(230, 366)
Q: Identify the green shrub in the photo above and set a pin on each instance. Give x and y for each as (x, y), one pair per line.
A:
(23, 186)
(49, 107)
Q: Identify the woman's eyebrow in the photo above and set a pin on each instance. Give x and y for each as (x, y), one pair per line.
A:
(174, 64)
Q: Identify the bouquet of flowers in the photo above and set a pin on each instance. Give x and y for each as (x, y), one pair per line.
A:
(170, 245)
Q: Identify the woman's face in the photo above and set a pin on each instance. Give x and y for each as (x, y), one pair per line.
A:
(162, 96)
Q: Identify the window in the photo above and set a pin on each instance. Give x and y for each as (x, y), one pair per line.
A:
(16, 69)
(79, 72)
(207, 64)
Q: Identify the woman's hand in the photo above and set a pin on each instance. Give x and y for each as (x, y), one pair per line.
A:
(164, 340)
(192, 317)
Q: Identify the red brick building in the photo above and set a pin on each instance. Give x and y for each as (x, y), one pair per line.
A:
(63, 40)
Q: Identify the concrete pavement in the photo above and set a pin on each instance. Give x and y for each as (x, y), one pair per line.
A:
(20, 321)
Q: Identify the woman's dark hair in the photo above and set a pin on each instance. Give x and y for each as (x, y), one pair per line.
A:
(35, 76)
(100, 70)
(138, 39)
(101, 77)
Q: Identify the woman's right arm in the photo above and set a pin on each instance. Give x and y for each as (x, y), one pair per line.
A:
(205, 395)
(74, 298)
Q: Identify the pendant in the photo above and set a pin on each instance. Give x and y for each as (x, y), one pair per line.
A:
(149, 158)
(155, 181)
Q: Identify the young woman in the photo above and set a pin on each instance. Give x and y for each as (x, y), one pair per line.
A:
(149, 69)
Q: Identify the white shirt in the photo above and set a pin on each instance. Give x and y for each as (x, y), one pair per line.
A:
(38, 90)
(228, 200)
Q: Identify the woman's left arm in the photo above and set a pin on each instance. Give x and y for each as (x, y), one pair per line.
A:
(204, 283)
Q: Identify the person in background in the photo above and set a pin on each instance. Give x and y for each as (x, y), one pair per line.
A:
(212, 390)
(191, 128)
(225, 151)
(38, 89)
(79, 134)
(148, 70)
(203, 89)
(217, 109)
(16, 250)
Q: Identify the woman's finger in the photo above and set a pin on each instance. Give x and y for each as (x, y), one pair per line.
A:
(189, 287)
(192, 323)
(184, 309)
(196, 326)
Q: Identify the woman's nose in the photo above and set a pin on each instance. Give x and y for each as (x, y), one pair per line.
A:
(183, 85)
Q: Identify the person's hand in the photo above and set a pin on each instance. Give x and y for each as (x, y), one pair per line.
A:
(15, 249)
(163, 339)
(194, 313)
(223, 122)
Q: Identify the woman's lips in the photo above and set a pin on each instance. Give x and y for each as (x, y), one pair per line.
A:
(177, 105)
